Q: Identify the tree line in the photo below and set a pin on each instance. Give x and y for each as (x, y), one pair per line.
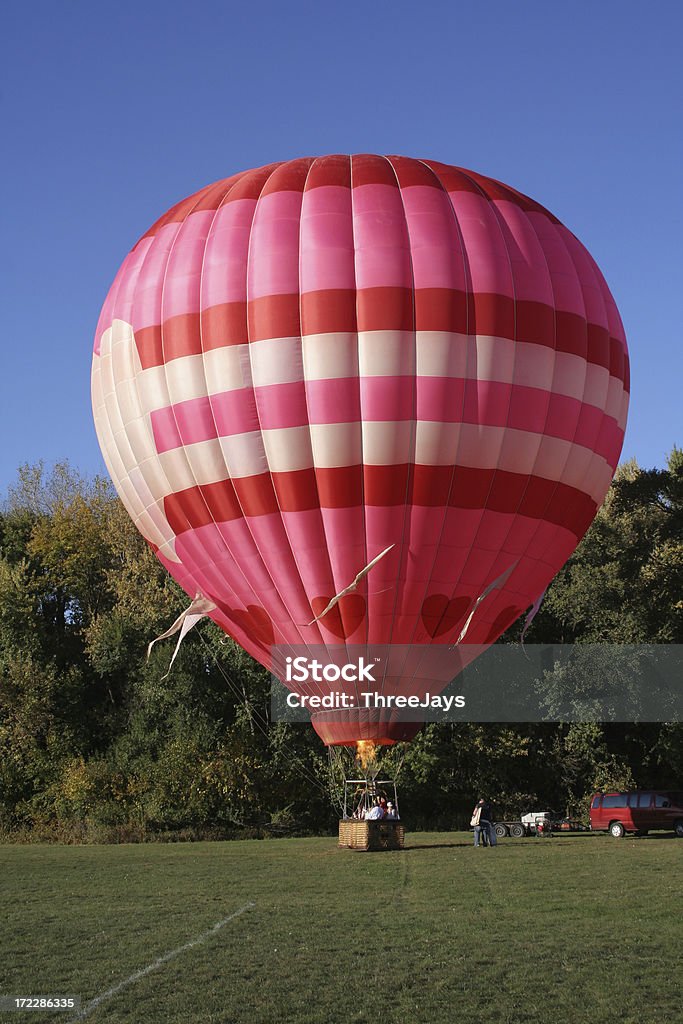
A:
(96, 746)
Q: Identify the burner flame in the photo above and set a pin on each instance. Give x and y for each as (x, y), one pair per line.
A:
(366, 752)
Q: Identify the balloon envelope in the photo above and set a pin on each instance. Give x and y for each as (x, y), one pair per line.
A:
(310, 362)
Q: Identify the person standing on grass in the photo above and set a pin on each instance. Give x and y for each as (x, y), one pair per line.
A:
(482, 819)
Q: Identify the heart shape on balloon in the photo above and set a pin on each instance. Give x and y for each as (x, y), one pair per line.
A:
(440, 613)
(502, 622)
(254, 620)
(344, 619)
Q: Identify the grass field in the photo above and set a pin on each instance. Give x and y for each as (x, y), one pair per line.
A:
(573, 928)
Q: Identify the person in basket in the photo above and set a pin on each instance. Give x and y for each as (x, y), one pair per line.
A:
(375, 812)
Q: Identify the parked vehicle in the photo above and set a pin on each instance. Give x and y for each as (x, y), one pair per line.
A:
(534, 823)
(637, 811)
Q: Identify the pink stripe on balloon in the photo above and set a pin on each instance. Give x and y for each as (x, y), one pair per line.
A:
(183, 274)
(585, 271)
(126, 292)
(527, 260)
(381, 238)
(274, 247)
(327, 246)
(487, 257)
(567, 294)
(183, 423)
(146, 310)
(235, 412)
(333, 401)
(129, 270)
(201, 419)
(224, 277)
(387, 399)
(383, 402)
(281, 405)
(435, 245)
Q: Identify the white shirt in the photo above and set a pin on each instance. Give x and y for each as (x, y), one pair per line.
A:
(374, 813)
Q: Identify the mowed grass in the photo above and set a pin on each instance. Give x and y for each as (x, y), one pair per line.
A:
(573, 928)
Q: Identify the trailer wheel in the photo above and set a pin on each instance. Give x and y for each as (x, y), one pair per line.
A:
(500, 831)
(517, 831)
(617, 830)
(678, 828)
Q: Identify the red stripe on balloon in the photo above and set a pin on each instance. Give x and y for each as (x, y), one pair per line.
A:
(148, 344)
(244, 185)
(208, 198)
(370, 169)
(220, 502)
(381, 486)
(329, 170)
(459, 179)
(274, 316)
(375, 309)
(332, 306)
(288, 177)
(224, 325)
(366, 169)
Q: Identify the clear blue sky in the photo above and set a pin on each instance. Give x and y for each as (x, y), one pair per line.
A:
(113, 111)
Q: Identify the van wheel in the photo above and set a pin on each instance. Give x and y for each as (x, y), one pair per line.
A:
(617, 830)
(678, 828)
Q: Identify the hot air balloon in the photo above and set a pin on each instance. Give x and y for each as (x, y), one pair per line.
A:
(356, 400)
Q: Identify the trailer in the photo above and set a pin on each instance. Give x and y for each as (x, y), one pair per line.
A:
(532, 824)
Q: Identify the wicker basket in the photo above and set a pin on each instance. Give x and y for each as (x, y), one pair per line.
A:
(371, 835)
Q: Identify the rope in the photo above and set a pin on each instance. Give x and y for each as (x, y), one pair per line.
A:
(262, 723)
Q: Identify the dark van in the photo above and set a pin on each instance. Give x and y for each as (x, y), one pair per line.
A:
(639, 811)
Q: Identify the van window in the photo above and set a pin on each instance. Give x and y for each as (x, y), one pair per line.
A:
(645, 800)
(633, 799)
(662, 801)
(596, 801)
(614, 800)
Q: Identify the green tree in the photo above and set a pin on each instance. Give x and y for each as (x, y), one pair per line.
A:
(624, 583)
